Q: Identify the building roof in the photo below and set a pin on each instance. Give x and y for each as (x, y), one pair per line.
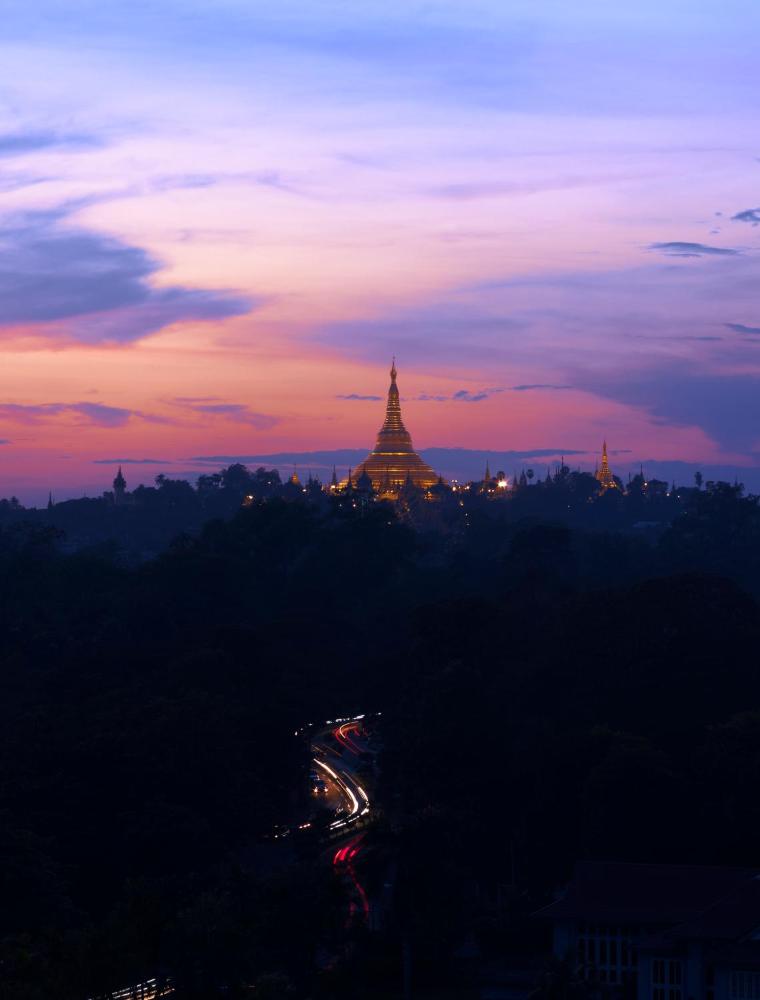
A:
(688, 895)
(729, 918)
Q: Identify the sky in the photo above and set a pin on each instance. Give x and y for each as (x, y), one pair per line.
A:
(218, 222)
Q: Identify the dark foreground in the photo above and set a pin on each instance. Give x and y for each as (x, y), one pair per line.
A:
(548, 694)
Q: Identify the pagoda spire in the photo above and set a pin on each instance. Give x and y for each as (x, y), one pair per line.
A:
(393, 428)
(119, 487)
(393, 456)
(603, 475)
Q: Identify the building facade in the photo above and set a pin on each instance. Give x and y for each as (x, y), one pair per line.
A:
(661, 932)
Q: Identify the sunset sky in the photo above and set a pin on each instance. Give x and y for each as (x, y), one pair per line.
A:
(219, 221)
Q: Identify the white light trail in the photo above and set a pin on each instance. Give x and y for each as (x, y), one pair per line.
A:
(356, 810)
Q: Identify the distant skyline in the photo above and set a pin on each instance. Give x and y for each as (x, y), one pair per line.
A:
(219, 222)
(464, 464)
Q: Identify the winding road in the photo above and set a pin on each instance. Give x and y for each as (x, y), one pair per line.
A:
(337, 754)
(337, 750)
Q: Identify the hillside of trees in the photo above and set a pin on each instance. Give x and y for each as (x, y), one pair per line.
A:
(549, 692)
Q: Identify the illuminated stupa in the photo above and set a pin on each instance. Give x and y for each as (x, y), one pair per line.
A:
(604, 476)
(394, 461)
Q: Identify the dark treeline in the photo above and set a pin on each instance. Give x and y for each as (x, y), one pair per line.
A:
(549, 693)
(140, 524)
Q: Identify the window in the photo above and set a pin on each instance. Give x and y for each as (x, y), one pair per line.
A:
(667, 979)
(745, 985)
(606, 952)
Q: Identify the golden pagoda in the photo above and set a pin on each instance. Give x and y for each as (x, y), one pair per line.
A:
(394, 461)
(604, 476)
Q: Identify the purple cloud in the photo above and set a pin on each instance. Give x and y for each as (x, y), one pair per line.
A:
(460, 396)
(132, 461)
(726, 407)
(92, 287)
(673, 337)
(537, 385)
(356, 395)
(680, 249)
(18, 143)
(96, 414)
(746, 330)
(751, 215)
(239, 412)
(465, 396)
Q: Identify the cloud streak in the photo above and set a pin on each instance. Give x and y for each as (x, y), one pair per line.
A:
(132, 461)
(680, 249)
(538, 385)
(93, 414)
(750, 215)
(468, 396)
(465, 396)
(748, 331)
(83, 285)
(31, 141)
(238, 412)
(460, 396)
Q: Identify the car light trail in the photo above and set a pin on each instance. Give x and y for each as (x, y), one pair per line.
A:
(356, 809)
(343, 862)
(341, 735)
(350, 789)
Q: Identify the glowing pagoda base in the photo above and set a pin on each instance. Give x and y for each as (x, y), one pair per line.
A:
(391, 469)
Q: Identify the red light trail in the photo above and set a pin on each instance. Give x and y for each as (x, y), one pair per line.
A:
(342, 737)
(344, 861)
